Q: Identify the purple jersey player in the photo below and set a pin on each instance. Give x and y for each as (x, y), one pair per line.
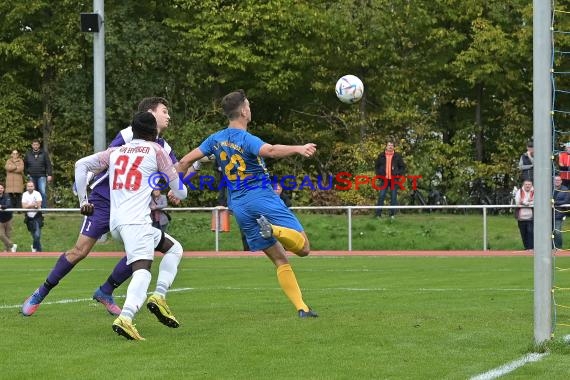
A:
(97, 224)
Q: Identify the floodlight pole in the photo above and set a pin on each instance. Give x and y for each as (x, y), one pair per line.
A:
(99, 134)
(542, 131)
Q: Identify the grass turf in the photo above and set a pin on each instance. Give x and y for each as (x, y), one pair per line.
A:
(380, 317)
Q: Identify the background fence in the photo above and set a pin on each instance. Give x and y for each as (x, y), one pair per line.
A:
(349, 211)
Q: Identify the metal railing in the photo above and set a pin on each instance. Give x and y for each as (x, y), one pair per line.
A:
(349, 210)
(349, 214)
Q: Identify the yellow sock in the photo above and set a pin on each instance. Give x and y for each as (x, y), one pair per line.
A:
(288, 283)
(292, 240)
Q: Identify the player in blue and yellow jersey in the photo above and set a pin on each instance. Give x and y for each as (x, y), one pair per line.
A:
(266, 222)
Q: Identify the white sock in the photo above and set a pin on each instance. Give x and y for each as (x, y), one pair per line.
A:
(136, 293)
(168, 268)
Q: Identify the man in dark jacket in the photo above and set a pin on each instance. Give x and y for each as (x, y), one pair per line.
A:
(37, 167)
(526, 162)
(390, 165)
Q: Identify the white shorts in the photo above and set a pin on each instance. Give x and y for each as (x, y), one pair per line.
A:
(139, 240)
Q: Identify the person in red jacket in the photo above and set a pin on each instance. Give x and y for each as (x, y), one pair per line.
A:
(564, 165)
(390, 165)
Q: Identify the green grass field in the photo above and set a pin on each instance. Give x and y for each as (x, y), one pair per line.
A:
(380, 318)
(410, 231)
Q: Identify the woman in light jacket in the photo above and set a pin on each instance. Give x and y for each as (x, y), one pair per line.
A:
(525, 197)
(14, 178)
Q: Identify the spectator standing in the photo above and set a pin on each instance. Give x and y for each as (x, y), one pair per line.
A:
(6, 221)
(526, 162)
(15, 178)
(34, 220)
(160, 218)
(390, 165)
(37, 167)
(560, 196)
(564, 165)
(525, 197)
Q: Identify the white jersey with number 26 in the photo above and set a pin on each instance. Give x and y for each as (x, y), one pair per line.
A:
(133, 168)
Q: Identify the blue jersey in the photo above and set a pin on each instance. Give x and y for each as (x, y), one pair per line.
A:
(244, 174)
(101, 181)
(249, 188)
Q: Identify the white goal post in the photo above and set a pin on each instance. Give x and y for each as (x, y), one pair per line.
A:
(542, 131)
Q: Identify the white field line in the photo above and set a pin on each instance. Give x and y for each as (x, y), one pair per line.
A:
(77, 300)
(510, 367)
(489, 375)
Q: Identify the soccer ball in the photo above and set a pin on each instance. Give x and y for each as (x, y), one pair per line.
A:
(349, 89)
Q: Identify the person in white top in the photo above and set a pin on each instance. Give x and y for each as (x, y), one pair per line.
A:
(525, 197)
(133, 168)
(32, 199)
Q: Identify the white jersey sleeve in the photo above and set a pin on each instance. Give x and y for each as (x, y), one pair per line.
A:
(84, 169)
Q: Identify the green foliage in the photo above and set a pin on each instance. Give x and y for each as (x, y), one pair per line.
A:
(428, 68)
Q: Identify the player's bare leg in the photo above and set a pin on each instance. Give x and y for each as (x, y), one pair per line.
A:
(81, 249)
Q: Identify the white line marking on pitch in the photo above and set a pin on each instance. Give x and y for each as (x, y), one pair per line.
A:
(76, 300)
(475, 290)
(510, 367)
(64, 301)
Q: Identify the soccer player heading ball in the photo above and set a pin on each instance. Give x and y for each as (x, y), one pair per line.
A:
(266, 222)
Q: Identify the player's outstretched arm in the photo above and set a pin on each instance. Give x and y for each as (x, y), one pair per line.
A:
(279, 151)
(184, 164)
(194, 168)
